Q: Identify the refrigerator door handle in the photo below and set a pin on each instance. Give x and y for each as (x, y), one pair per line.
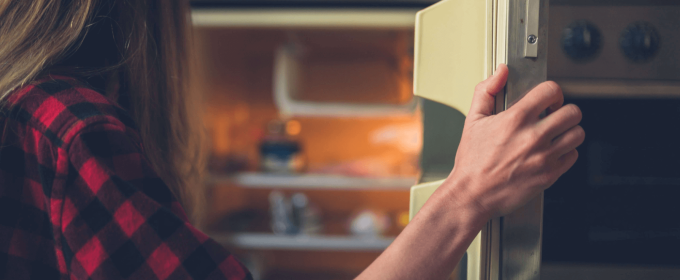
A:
(532, 24)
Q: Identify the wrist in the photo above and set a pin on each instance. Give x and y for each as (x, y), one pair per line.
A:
(456, 200)
(435, 240)
(446, 225)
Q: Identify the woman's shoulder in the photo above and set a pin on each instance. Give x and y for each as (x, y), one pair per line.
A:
(60, 106)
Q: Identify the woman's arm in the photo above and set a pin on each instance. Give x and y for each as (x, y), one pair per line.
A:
(502, 162)
(433, 242)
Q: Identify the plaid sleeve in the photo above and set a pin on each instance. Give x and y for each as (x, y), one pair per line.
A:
(117, 220)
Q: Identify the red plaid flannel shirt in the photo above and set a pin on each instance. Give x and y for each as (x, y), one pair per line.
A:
(78, 199)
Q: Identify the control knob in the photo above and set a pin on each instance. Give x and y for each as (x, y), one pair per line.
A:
(639, 42)
(581, 41)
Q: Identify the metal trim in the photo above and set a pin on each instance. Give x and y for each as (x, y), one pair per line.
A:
(619, 88)
(532, 19)
(521, 231)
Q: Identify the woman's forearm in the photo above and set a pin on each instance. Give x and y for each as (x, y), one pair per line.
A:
(433, 242)
(502, 162)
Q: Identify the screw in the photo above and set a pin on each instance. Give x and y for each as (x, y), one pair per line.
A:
(532, 39)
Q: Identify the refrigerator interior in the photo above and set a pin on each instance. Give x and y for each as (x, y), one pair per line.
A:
(351, 166)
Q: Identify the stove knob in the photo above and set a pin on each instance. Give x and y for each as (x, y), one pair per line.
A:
(639, 42)
(581, 41)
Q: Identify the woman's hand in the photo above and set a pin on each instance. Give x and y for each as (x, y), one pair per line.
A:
(505, 160)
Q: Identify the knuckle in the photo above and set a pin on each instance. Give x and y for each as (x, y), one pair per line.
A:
(573, 155)
(544, 179)
(574, 111)
(554, 88)
(480, 87)
(567, 161)
(539, 163)
(516, 116)
(553, 92)
(544, 161)
(580, 133)
(536, 136)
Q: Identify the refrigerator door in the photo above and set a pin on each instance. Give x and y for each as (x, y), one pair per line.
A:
(458, 45)
(454, 51)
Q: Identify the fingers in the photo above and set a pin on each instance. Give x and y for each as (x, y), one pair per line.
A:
(560, 121)
(484, 100)
(568, 141)
(547, 95)
(497, 82)
(566, 161)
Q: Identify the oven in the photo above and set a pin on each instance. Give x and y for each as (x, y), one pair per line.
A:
(613, 215)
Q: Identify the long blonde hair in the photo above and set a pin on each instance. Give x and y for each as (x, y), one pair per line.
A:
(145, 69)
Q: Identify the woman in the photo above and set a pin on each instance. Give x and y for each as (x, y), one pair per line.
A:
(101, 153)
(80, 197)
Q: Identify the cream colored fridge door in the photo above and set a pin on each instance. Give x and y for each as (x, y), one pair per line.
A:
(454, 51)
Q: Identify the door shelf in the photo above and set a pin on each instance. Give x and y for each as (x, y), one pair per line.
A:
(305, 18)
(314, 181)
(269, 241)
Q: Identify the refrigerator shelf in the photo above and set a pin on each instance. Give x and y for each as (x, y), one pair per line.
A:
(313, 181)
(269, 241)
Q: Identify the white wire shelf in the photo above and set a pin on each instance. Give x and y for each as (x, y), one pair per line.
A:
(314, 181)
(268, 241)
